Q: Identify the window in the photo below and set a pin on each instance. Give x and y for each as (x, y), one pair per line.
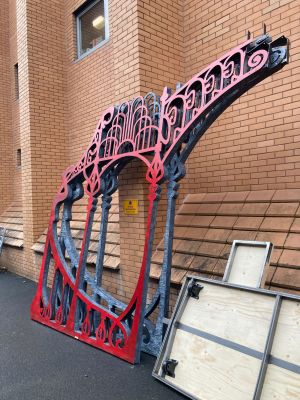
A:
(19, 160)
(92, 26)
(16, 72)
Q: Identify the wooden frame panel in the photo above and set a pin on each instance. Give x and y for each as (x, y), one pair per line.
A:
(218, 308)
(213, 365)
(212, 339)
(248, 263)
(282, 380)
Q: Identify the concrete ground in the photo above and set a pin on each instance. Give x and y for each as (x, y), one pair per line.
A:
(38, 363)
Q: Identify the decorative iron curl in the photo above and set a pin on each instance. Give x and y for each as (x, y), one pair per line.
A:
(161, 133)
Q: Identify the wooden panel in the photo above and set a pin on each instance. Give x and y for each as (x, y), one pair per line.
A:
(286, 344)
(216, 373)
(219, 339)
(281, 384)
(240, 316)
(247, 266)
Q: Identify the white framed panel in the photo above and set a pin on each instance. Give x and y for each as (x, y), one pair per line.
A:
(248, 263)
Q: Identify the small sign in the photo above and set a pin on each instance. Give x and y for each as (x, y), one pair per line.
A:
(131, 207)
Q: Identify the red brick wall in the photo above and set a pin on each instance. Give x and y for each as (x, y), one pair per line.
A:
(132, 227)
(15, 169)
(6, 187)
(161, 60)
(107, 76)
(255, 143)
(160, 44)
(42, 113)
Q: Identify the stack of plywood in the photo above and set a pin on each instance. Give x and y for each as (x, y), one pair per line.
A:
(228, 342)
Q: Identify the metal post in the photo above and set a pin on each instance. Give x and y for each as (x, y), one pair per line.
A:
(267, 351)
(106, 205)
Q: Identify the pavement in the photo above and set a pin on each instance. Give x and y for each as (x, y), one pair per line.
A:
(39, 363)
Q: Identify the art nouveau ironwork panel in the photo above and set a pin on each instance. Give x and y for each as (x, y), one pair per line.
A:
(161, 132)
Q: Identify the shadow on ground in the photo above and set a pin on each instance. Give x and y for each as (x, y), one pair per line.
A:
(38, 363)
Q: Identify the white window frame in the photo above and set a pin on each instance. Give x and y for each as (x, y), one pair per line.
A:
(78, 29)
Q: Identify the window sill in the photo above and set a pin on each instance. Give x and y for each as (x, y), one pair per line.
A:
(90, 51)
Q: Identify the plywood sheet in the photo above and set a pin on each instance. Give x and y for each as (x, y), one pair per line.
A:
(216, 373)
(282, 380)
(233, 343)
(286, 344)
(281, 384)
(247, 265)
(235, 315)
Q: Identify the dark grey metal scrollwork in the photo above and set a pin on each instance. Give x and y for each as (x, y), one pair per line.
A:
(161, 132)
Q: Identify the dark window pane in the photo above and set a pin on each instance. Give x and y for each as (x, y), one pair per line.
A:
(16, 72)
(19, 161)
(92, 27)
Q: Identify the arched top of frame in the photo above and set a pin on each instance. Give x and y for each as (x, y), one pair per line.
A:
(154, 129)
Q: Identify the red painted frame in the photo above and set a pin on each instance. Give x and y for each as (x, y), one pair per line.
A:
(131, 125)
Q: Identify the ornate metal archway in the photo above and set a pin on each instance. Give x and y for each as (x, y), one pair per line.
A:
(162, 133)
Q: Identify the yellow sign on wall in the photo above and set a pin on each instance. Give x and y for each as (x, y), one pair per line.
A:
(131, 206)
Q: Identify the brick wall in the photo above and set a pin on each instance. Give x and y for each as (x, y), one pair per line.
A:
(161, 61)
(253, 145)
(107, 76)
(132, 227)
(42, 112)
(160, 44)
(14, 101)
(5, 114)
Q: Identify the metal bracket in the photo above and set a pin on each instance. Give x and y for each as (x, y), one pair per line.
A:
(169, 367)
(194, 289)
